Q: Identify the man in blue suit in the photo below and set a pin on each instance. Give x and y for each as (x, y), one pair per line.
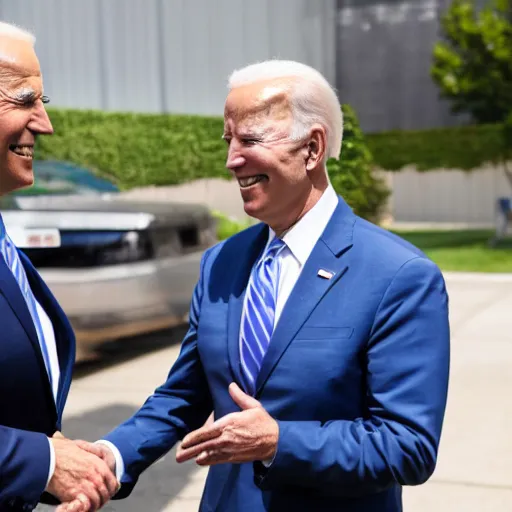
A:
(320, 341)
(37, 345)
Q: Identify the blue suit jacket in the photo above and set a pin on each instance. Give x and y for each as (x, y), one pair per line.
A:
(28, 412)
(356, 375)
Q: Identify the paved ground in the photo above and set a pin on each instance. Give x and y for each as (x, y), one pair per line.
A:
(474, 472)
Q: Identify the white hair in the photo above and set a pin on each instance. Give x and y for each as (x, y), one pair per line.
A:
(313, 99)
(9, 30)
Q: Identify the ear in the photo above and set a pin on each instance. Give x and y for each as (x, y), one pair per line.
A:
(316, 147)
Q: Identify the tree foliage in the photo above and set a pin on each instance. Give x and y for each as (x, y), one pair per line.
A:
(473, 64)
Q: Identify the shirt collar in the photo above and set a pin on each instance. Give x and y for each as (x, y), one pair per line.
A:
(303, 236)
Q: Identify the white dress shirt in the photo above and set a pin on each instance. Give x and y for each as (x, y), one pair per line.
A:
(51, 346)
(300, 241)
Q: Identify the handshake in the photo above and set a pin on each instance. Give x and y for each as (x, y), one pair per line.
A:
(84, 475)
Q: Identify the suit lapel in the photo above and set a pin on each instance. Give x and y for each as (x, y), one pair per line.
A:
(64, 337)
(10, 289)
(247, 257)
(310, 287)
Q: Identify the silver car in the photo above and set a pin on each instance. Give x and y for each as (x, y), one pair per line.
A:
(118, 268)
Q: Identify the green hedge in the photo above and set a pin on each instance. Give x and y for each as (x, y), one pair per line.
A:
(138, 149)
(465, 147)
(143, 149)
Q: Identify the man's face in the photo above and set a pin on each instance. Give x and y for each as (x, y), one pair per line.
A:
(269, 167)
(22, 114)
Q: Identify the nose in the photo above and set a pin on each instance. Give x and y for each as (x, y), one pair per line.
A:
(40, 122)
(235, 158)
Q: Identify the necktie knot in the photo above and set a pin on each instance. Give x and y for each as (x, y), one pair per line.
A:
(274, 248)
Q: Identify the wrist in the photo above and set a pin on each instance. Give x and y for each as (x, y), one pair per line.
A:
(273, 442)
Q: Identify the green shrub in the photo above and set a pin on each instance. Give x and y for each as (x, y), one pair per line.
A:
(473, 63)
(352, 175)
(462, 147)
(227, 227)
(137, 150)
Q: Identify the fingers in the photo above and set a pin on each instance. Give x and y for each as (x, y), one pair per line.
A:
(111, 483)
(95, 449)
(205, 433)
(243, 400)
(58, 435)
(184, 454)
(212, 457)
(72, 506)
(80, 504)
(96, 497)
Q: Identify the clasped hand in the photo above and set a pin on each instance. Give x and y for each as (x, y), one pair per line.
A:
(83, 479)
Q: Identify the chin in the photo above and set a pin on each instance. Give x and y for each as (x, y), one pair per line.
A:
(20, 181)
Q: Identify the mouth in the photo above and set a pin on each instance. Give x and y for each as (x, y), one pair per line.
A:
(252, 180)
(23, 150)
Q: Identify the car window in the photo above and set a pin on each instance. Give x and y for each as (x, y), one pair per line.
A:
(62, 178)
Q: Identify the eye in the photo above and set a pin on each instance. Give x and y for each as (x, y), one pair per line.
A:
(45, 99)
(247, 141)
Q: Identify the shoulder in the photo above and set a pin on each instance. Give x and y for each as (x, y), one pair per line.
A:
(387, 251)
(233, 247)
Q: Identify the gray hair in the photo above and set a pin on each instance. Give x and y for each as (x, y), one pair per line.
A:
(313, 99)
(9, 30)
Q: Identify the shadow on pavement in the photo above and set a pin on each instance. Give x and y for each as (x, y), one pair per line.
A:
(158, 485)
(122, 350)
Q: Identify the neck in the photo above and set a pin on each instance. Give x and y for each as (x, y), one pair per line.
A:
(283, 225)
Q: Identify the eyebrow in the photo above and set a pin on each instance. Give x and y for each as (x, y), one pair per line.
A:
(25, 94)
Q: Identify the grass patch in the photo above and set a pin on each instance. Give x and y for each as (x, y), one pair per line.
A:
(461, 251)
(464, 250)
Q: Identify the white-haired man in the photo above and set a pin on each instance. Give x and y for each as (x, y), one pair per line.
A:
(37, 345)
(320, 341)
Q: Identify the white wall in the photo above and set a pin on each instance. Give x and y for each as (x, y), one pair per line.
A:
(451, 196)
(167, 55)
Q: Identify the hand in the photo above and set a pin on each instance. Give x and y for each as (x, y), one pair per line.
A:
(245, 436)
(80, 476)
(100, 450)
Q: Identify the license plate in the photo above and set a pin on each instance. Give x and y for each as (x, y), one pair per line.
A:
(35, 238)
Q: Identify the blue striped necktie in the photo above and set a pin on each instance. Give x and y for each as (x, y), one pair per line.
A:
(10, 255)
(258, 316)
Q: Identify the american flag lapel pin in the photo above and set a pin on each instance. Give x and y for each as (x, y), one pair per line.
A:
(325, 274)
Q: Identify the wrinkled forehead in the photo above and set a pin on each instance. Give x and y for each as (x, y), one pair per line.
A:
(260, 103)
(17, 57)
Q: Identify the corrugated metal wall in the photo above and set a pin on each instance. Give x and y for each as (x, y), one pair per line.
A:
(449, 196)
(384, 58)
(167, 55)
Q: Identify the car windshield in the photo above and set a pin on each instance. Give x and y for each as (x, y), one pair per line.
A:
(61, 178)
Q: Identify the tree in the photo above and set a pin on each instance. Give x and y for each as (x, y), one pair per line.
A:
(352, 174)
(473, 66)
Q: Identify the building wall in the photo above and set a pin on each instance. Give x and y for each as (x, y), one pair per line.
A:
(446, 195)
(167, 55)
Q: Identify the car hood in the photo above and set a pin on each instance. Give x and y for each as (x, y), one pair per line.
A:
(108, 211)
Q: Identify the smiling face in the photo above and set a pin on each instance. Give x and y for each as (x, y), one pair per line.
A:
(277, 176)
(22, 113)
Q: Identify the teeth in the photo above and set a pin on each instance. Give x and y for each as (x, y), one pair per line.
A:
(247, 182)
(26, 151)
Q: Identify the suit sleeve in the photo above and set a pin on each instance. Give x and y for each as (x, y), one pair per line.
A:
(180, 405)
(24, 465)
(407, 360)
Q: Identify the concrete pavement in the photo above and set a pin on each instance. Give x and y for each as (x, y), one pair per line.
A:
(474, 471)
